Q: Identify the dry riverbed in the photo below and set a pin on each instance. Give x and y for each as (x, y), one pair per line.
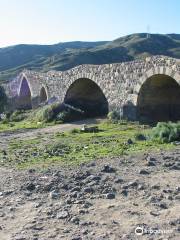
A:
(107, 198)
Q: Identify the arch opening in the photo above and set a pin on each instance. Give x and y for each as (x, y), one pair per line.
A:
(43, 95)
(86, 95)
(25, 95)
(159, 99)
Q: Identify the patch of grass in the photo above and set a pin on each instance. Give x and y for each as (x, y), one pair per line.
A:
(11, 126)
(75, 147)
(75, 130)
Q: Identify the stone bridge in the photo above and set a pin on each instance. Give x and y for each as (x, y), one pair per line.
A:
(139, 90)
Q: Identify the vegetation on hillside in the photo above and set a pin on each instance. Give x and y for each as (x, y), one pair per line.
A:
(63, 56)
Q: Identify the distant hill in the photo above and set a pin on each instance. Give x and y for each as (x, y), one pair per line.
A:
(63, 56)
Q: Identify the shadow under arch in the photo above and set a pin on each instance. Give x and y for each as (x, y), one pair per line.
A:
(86, 95)
(24, 95)
(43, 95)
(159, 99)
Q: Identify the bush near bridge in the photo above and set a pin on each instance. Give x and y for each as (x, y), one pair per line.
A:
(59, 113)
(40, 117)
(113, 115)
(166, 132)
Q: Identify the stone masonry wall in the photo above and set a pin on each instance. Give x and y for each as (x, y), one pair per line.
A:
(119, 82)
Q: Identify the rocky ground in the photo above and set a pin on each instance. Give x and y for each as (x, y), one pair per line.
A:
(107, 199)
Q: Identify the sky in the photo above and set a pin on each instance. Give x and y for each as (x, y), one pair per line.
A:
(54, 21)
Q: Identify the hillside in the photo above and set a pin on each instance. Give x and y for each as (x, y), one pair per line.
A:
(63, 56)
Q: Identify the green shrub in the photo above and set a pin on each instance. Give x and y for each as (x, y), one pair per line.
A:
(43, 115)
(166, 132)
(8, 114)
(47, 113)
(17, 116)
(113, 115)
(70, 114)
(139, 137)
(5, 121)
(59, 113)
(63, 116)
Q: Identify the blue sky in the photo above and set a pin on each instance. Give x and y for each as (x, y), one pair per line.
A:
(53, 21)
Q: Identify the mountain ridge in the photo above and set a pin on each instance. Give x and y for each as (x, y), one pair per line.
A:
(65, 55)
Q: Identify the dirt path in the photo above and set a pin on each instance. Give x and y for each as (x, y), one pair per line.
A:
(31, 133)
